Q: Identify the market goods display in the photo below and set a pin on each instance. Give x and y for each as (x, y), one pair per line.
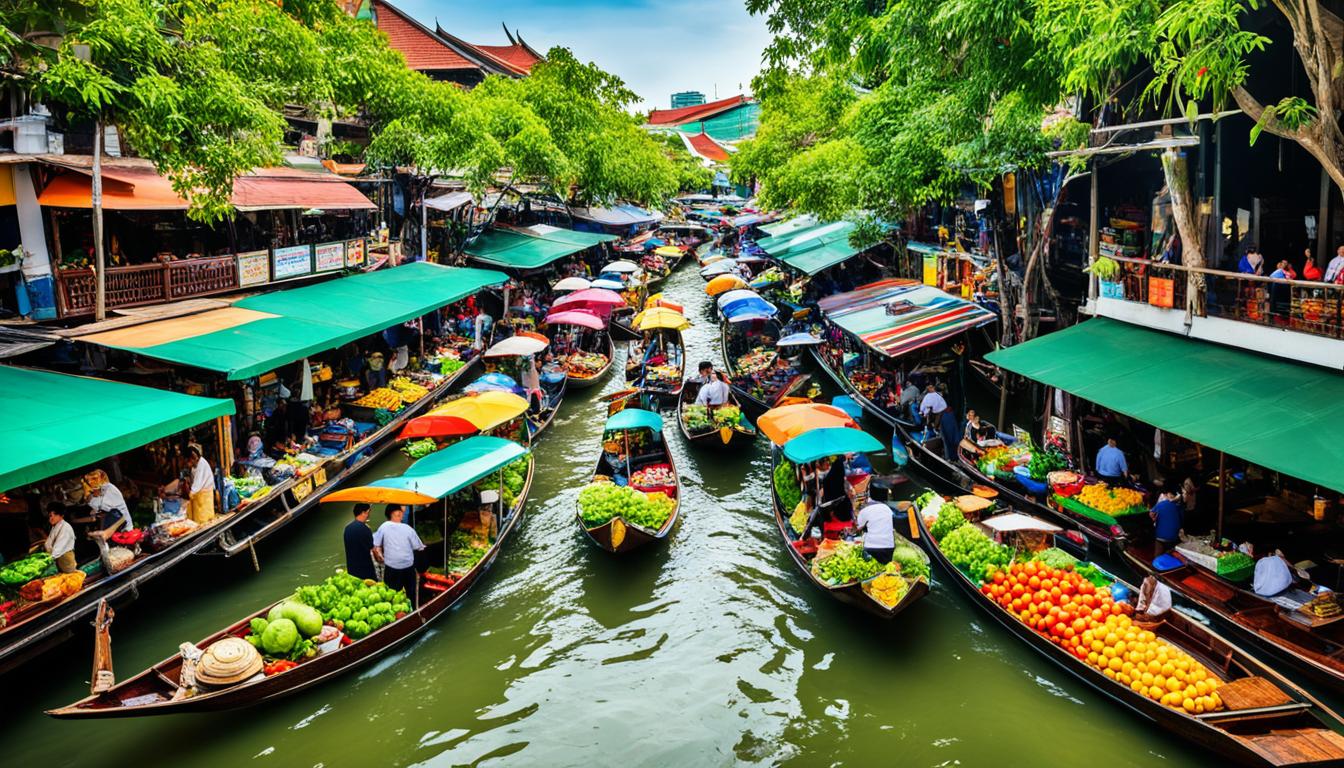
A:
(409, 390)
(515, 476)
(846, 564)
(757, 360)
(662, 374)
(950, 517)
(908, 560)
(450, 365)
(464, 553)
(1324, 606)
(599, 502)
(887, 589)
(357, 606)
(247, 485)
(798, 520)
(1058, 558)
(584, 365)
(1103, 498)
(699, 419)
(25, 570)
(999, 460)
(968, 548)
(383, 397)
(418, 449)
(655, 476)
(786, 487)
(1043, 462)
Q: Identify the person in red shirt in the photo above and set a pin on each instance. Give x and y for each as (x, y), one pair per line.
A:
(1309, 270)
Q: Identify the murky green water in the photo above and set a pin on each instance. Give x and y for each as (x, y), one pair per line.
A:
(708, 651)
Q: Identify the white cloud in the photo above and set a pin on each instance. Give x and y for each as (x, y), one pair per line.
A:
(658, 48)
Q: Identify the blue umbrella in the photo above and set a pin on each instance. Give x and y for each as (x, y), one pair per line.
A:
(652, 243)
(848, 405)
(798, 340)
(494, 382)
(829, 441)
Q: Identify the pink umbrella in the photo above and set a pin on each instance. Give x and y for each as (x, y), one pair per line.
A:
(599, 301)
(577, 317)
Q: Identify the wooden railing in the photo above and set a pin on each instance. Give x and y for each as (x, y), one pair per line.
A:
(146, 283)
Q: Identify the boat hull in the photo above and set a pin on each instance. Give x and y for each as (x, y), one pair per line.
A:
(618, 537)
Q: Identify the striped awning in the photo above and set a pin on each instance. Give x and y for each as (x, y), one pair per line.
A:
(893, 317)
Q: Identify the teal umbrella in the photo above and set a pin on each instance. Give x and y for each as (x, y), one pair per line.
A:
(829, 441)
(635, 418)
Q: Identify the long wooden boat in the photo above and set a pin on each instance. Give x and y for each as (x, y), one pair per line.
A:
(288, 500)
(618, 536)
(586, 382)
(739, 434)
(1312, 646)
(634, 368)
(852, 594)
(1274, 723)
(754, 403)
(152, 691)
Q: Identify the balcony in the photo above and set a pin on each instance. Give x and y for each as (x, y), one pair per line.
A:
(146, 283)
(1294, 319)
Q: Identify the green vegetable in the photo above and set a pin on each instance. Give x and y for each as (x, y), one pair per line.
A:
(1056, 558)
(950, 517)
(600, 502)
(786, 485)
(1044, 461)
(22, 571)
(972, 551)
(280, 637)
(910, 559)
(259, 625)
(305, 618)
(848, 563)
(417, 449)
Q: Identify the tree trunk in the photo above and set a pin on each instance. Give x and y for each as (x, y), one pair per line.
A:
(1184, 209)
(96, 203)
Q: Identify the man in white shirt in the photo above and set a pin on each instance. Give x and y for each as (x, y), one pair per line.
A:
(932, 405)
(876, 523)
(60, 543)
(395, 544)
(1335, 267)
(713, 390)
(201, 504)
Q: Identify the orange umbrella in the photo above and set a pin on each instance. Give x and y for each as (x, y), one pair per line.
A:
(787, 422)
(723, 284)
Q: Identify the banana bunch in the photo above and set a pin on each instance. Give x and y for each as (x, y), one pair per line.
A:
(382, 397)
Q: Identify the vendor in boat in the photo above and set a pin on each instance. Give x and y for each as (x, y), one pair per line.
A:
(1154, 599)
(60, 543)
(108, 505)
(833, 504)
(201, 497)
(1168, 518)
(394, 545)
(714, 392)
(375, 372)
(878, 526)
(1111, 465)
(359, 545)
(936, 414)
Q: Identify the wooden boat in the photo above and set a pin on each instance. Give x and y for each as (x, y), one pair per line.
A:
(578, 381)
(155, 690)
(1312, 645)
(1269, 721)
(676, 356)
(852, 594)
(753, 400)
(1110, 537)
(739, 434)
(616, 535)
(286, 501)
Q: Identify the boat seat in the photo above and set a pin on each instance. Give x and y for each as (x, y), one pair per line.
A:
(1225, 715)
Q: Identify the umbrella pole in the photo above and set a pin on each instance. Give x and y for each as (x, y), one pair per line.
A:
(1222, 484)
(629, 460)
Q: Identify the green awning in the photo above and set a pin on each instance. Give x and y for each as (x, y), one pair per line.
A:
(263, 332)
(789, 225)
(531, 247)
(812, 249)
(1274, 413)
(55, 422)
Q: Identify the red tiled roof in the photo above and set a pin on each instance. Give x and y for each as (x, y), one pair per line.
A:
(708, 148)
(421, 49)
(515, 57)
(697, 112)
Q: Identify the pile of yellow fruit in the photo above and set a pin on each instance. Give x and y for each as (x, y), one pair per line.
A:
(382, 397)
(1151, 666)
(409, 390)
(887, 589)
(1109, 500)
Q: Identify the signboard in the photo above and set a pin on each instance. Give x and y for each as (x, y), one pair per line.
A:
(328, 256)
(930, 269)
(354, 252)
(292, 261)
(254, 268)
(1161, 292)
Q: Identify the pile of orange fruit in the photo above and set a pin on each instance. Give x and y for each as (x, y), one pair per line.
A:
(1084, 620)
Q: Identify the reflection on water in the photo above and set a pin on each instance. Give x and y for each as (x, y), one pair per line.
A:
(707, 650)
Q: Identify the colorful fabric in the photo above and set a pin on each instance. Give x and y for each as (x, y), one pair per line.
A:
(926, 315)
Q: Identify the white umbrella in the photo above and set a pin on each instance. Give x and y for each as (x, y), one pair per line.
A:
(572, 284)
(517, 346)
(621, 266)
(611, 285)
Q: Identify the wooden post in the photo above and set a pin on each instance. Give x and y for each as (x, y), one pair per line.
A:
(1093, 239)
(1222, 484)
(96, 203)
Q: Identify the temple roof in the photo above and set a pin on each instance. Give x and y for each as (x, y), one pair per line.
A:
(670, 117)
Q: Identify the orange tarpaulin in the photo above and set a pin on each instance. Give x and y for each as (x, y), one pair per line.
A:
(783, 424)
(136, 188)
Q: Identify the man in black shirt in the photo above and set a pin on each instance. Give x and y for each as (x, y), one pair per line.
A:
(359, 545)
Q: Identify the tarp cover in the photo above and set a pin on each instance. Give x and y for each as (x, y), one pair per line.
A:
(55, 422)
(284, 326)
(1271, 412)
(812, 249)
(532, 247)
(927, 315)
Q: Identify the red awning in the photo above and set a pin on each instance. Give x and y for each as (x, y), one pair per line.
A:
(141, 188)
(272, 188)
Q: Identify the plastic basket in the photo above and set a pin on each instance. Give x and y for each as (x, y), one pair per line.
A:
(1110, 290)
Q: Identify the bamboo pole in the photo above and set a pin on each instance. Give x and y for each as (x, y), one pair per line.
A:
(96, 203)
(1222, 485)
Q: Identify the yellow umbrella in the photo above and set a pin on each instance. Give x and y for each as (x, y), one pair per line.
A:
(670, 251)
(372, 494)
(485, 410)
(661, 317)
(723, 284)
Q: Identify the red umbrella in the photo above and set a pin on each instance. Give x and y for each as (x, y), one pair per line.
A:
(580, 318)
(435, 425)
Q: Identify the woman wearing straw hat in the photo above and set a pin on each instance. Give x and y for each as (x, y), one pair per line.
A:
(201, 507)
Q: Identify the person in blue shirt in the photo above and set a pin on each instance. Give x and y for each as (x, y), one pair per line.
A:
(1168, 518)
(1111, 465)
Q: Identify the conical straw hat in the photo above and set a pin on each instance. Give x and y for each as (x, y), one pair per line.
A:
(228, 661)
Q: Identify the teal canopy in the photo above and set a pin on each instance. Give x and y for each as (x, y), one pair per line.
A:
(829, 441)
(456, 466)
(635, 418)
(530, 247)
(812, 249)
(54, 422)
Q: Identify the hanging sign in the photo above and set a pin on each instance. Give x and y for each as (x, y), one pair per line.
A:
(254, 268)
(354, 252)
(292, 261)
(1161, 292)
(329, 256)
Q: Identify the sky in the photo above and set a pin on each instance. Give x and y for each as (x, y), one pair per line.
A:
(658, 48)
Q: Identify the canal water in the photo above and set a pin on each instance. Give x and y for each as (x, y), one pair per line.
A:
(709, 650)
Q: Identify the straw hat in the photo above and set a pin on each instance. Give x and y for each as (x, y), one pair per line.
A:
(228, 661)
